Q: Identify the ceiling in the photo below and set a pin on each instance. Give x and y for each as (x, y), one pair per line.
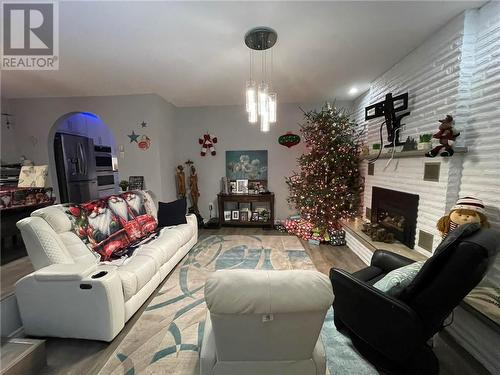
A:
(193, 54)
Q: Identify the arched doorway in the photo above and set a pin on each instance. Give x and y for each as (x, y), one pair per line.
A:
(82, 153)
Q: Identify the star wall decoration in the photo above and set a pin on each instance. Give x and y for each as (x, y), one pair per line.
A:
(144, 124)
(133, 137)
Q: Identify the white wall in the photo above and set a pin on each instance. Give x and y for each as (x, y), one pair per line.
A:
(230, 125)
(9, 150)
(481, 169)
(432, 76)
(457, 72)
(174, 133)
(34, 120)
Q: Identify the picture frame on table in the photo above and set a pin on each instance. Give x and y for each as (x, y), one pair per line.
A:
(136, 183)
(244, 215)
(232, 187)
(235, 215)
(255, 216)
(227, 215)
(242, 186)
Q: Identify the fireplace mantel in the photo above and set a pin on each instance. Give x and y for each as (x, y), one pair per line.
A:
(407, 154)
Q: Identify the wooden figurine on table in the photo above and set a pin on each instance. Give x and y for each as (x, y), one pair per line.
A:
(181, 182)
(193, 185)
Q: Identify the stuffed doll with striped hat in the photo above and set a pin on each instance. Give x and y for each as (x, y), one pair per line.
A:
(466, 210)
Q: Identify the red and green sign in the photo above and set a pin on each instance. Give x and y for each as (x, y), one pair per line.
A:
(289, 139)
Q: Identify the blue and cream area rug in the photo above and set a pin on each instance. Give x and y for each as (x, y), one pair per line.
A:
(166, 338)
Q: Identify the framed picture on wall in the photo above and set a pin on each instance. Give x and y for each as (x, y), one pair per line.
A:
(247, 164)
(235, 215)
(227, 215)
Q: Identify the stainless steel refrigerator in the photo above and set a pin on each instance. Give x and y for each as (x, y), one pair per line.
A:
(76, 170)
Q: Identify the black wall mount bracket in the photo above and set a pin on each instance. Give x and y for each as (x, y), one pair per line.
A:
(389, 108)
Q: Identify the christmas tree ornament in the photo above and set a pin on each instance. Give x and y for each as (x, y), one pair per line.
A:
(289, 139)
(207, 143)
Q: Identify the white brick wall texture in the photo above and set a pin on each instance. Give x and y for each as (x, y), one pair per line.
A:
(457, 72)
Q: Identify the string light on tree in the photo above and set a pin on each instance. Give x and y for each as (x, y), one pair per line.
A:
(328, 187)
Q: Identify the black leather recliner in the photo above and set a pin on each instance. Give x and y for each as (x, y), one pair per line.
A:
(392, 333)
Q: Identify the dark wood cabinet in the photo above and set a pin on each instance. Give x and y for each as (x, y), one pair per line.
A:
(250, 199)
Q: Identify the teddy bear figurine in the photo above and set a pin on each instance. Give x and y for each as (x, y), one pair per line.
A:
(446, 135)
(466, 210)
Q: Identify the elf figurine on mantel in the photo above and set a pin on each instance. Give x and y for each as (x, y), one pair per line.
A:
(466, 210)
(446, 135)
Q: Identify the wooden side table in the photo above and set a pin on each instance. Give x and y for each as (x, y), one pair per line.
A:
(250, 199)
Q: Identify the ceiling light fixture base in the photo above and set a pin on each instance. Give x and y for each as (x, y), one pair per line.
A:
(261, 38)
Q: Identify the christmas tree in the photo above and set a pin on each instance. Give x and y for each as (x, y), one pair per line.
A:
(328, 187)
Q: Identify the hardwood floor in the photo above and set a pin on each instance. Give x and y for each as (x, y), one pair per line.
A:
(11, 272)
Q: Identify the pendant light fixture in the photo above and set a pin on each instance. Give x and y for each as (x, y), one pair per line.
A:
(261, 102)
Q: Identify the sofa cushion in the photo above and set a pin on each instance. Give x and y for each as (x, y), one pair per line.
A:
(162, 248)
(397, 280)
(106, 234)
(77, 249)
(79, 221)
(136, 273)
(55, 217)
(289, 291)
(122, 210)
(138, 208)
(44, 246)
(172, 213)
(149, 203)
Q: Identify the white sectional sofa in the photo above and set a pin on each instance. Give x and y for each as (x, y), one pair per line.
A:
(72, 294)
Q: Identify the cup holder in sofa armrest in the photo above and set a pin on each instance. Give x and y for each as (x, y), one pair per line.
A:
(99, 275)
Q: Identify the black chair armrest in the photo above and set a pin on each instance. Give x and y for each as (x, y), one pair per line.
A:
(387, 325)
(388, 261)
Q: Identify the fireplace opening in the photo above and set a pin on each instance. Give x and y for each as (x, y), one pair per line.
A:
(396, 212)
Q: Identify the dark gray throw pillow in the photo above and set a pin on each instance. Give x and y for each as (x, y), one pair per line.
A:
(172, 213)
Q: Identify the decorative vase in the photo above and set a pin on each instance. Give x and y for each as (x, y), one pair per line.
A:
(424, 146)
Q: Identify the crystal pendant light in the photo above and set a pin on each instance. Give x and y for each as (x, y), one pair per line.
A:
(272, 106)
(262, 97)
(264, 119)
(260, 103)
(251, 95)
(252, 113)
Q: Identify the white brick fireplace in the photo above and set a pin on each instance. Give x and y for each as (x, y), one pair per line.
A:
(407, 175)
